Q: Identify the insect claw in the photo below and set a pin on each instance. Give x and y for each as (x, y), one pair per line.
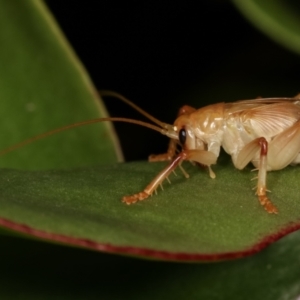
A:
(161, 186)
(136, 197)
(168, 179)
(174, 172)
(267, 204)
(254, 178)
(253, 170)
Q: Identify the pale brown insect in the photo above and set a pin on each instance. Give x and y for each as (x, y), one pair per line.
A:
(265, 132)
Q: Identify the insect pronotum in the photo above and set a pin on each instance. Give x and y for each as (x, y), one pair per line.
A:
(264, 131)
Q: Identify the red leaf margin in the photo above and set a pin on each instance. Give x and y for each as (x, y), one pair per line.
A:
(144, 252)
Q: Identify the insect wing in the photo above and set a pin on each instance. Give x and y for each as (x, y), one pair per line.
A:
(269, 118)
(269, 100)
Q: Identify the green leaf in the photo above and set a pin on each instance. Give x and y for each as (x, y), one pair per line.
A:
(280, 20)
(43, 86)
(45, 271)
(198, 219)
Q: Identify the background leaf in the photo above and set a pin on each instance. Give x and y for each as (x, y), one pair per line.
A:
(43, 86)
(46, 271)
(280, 20)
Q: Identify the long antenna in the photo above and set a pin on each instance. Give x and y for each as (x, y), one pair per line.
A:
(137, 108)
(168, 133)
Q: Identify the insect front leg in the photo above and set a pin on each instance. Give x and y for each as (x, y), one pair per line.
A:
(169, 155)
(246, 155)
(201, 156)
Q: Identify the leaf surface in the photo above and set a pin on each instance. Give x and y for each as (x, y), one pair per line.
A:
(198, 219)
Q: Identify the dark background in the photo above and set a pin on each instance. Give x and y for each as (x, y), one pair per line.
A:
(162, 56)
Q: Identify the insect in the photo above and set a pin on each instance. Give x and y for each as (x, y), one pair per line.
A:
(264, 131)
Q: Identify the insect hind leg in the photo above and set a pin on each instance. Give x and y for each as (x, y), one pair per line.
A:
(262, 177)
(247, 154)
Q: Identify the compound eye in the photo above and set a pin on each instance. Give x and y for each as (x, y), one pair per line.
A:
(182, 136)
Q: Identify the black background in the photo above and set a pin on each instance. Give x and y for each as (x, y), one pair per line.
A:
(162, 56)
